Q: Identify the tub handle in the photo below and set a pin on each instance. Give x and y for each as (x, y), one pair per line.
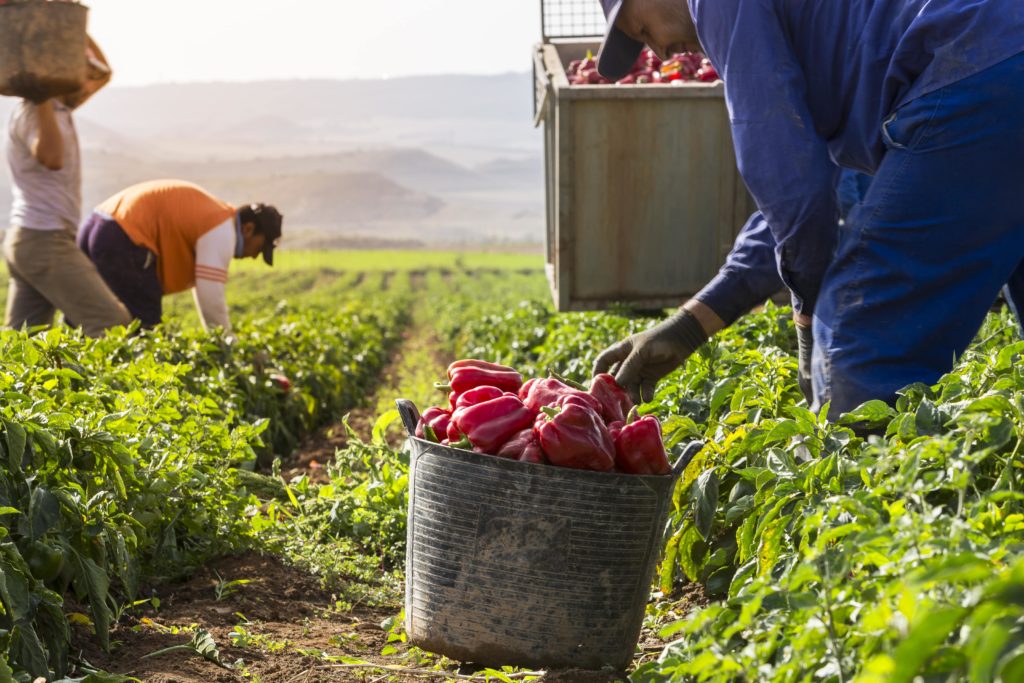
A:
(410, 416)
(689, 453)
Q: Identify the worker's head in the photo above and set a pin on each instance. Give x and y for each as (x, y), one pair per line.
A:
(665, 26)
(261, 231)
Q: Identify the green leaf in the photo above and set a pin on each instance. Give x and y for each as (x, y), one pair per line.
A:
(91, 580)
(992, 405)
(721, 393)
(380, 427)
(871, 413)
(204, 644)
(6, 675)
(783, 432)
(16, 439)
(924, 637)
(27, 651)
(1011, 668)
(706, 502)
(43, 512)
(991, 642)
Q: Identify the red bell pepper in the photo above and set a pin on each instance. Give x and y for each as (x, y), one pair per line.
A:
(615, 402)
(547, 392)
(615, 427)
(477, 395)
(575, 436)
(639, 448)
(464, 375)
(437, 418)
(524, 446)
(524, 390)
(467, 399)
(489, 425)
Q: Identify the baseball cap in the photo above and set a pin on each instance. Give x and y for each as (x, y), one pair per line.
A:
(618, 51)
(268, 223)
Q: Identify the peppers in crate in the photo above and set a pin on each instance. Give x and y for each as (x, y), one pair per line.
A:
(575, 436)
(547, 392)
(464, 375)
(639, 448)
(477, 395)
(467, 399)
(524, 446)
(524, 390)
(489, 425)
(615, 402)
(437, 418)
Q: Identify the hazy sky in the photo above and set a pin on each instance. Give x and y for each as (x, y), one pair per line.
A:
(206, 40)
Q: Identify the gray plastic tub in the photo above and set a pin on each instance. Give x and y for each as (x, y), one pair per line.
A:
(512, 563)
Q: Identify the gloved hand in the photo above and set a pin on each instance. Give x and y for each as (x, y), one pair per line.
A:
(805, 347)
(645, 358)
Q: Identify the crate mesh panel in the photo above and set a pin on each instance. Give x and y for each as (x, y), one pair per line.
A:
(572, 18)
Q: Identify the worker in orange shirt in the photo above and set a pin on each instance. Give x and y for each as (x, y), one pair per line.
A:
(166, 236)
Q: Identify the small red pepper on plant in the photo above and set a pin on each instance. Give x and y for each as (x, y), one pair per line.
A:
(489, 425)
(575, 436)
(639, 448)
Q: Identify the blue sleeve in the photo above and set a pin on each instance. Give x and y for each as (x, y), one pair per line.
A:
(784, 162)
(749, 275)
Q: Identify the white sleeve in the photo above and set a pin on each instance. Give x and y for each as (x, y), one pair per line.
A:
(23, 125)
(214, 251)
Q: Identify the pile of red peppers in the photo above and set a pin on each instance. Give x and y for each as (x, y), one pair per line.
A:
(548, 421)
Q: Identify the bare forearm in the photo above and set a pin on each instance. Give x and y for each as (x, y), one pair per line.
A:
(48, 149)
(97, 54)
(708, 319)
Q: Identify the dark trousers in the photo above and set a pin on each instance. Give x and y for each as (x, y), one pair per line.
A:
(128, 269)
(921, 259)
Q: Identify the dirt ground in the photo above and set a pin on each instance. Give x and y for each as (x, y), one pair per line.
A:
(288, 617)
(292, 627)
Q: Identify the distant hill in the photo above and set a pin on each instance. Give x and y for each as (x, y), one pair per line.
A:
(441, 159)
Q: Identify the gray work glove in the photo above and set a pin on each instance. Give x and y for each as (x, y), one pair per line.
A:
(645, 358)
(805, 347)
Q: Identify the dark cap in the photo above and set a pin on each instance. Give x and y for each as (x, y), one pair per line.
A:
(618, 51)
(268, 223)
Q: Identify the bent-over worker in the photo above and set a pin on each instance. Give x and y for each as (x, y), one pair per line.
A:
(928, 97)
(166, 236)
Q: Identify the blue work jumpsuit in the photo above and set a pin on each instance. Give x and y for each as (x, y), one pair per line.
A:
(928, 97)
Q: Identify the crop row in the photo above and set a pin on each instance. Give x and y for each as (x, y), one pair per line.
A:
(124, 456)
(882, 554)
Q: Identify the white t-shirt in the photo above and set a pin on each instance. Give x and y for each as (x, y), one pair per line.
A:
(43, 199)
(214, 252)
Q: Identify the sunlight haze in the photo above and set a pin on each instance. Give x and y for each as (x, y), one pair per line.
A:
(239, 40)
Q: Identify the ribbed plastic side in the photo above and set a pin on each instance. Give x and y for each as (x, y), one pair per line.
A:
(510, 563)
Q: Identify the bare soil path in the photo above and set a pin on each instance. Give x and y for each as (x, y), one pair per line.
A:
(280, 627)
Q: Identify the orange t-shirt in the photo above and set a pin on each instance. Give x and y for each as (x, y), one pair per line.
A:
(168, 217)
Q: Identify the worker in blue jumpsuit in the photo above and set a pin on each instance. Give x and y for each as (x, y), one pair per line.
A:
(927, 96)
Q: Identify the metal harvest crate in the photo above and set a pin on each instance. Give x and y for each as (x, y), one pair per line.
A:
(643, 196)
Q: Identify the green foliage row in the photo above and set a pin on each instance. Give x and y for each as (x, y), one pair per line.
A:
(120, 454)
(832, 555)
